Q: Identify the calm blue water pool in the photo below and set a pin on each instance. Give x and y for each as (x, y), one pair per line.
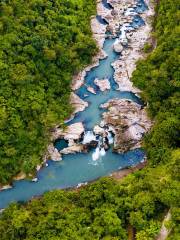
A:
(72, 170)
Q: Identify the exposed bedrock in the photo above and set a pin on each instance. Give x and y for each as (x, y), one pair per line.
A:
(125, 66)
(78, 79)
(129, 122)
(53, 153)
(99, 31)
(100, 131)
(73, 149)
(118, 46)
(136, 39)
(91, 90)
(72, 133)
(102, 10)
(103, 84)
(78, 104)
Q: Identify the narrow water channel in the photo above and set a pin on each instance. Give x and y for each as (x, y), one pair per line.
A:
(80, 167)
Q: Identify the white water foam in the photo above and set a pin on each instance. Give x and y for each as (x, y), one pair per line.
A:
(102, 152)
(99, 152)
(96, 154)
(110, 138)
(89, 137)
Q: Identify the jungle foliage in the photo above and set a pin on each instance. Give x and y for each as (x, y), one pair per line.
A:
(106, 208)
(43, 43)
(159, 79)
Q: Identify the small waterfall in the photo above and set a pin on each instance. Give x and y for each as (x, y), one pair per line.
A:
(123, 32)
(96, 154)
(99, 151)
(102, 152)
(88, 137)
(110, 138)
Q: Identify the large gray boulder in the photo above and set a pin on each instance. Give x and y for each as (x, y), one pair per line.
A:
(129, 122)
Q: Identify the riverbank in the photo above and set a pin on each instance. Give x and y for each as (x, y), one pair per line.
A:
(124, 172)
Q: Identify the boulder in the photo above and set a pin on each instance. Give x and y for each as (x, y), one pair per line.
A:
(73, 149)
(20, 176)
(78, 104)
(129, 122)
(35, 179)
(70, 133)
(118, 46)
(91, 89)
(103, 84)
(53, 153)
(100, 131)
(5, 187)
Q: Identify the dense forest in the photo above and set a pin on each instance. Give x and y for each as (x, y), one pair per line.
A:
(108, 208)
(43, 43)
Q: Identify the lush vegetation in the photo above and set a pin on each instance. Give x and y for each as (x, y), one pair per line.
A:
(107, 209)
(159, 79)
(103, 210)
(43, 43)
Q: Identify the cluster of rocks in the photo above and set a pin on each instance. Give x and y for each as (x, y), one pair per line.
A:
(118, 17)
(78, 79)
(135, 39)
(71, 134)
(121, 112)
(129, 122)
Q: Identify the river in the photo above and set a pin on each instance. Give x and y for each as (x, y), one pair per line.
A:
(78, 168)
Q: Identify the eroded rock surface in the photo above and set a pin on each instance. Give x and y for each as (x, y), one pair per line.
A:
(118, 47)
(53, 153)
(73, 149)
(78, 104)
(5, 187)
(135, 39)
(72, 132)
(91, 89)
(103, 84)
(99, 131)
(129, 122)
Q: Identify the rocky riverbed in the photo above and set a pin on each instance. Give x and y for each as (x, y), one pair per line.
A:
(126, 119)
